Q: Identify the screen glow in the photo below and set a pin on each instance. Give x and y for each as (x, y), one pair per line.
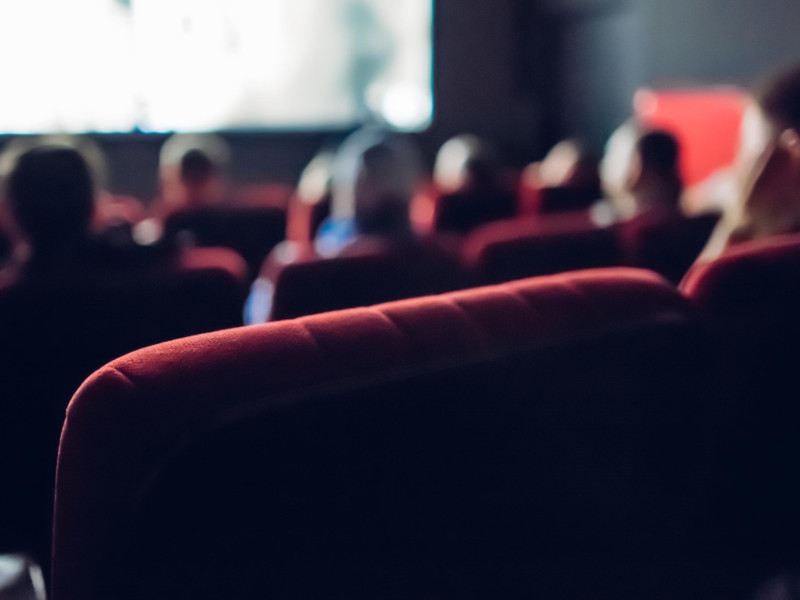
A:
(206, 65)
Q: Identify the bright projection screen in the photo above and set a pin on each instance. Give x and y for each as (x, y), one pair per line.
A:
(204, 65)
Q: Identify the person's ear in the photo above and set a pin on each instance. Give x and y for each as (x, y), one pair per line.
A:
(789, 140)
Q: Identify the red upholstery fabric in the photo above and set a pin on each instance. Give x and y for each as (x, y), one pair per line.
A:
(366, 272)
(129, 413)
(55, 330)
(749, 281)
(518, 248)
(667, 245)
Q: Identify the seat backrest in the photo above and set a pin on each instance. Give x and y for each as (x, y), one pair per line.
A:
(369, 272)
(461, 212)
(750, 298)
(252, 231)
(532, 246)
(668, 246)
(566, 198)
(56, 330)
(750, 294)
(456, 425)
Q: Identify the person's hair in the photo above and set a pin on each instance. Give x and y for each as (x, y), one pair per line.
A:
(50, 192)
(196, 167)
(197, 157)
(779, 98)
(658, 150)
(374, 177)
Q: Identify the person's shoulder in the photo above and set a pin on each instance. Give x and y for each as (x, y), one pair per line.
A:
(10, 275)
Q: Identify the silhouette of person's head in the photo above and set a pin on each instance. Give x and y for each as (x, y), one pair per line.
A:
(655, 178)
(640, 170)
(373, 181)
(192, 170)
(50, 194)
(658, 152)
(464, 162)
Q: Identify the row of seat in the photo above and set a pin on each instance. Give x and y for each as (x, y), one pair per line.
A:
(75, 323)
(591, 434)
(497, 252)
(254, 230)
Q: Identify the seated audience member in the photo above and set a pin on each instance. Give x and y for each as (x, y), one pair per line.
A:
(114, 214)
(467, 177)
(374, 177)
(640, 176)
(373, 180)
(654, 182)
(49, 204)
(192, 174)
(767, 171)
(192, 171)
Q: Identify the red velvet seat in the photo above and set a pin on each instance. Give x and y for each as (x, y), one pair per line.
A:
(667, 246)
(367, 272)
(251, 231)
(750, 298)
(55, 330)
(583, 477)
(518, 248)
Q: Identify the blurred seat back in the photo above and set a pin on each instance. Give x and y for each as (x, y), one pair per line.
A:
(527, 247)
(564, 198)
(666, 246)
(438, 447)
(368, 272)
(461, 212)
(252, 231)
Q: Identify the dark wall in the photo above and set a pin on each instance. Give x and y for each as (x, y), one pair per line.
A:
(611, 47)
(730, 41)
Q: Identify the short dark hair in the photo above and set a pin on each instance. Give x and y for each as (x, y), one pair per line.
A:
(50, 191)
(196, 167)
(779, 98)
(659, 150)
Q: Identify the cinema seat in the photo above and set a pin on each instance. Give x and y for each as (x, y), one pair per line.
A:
(667, 246)
(436, 447)
(461, 212)
(369, 272)
(56, 330)
(252, 231)
(517, 248)
(558, 199)
(750, 298)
